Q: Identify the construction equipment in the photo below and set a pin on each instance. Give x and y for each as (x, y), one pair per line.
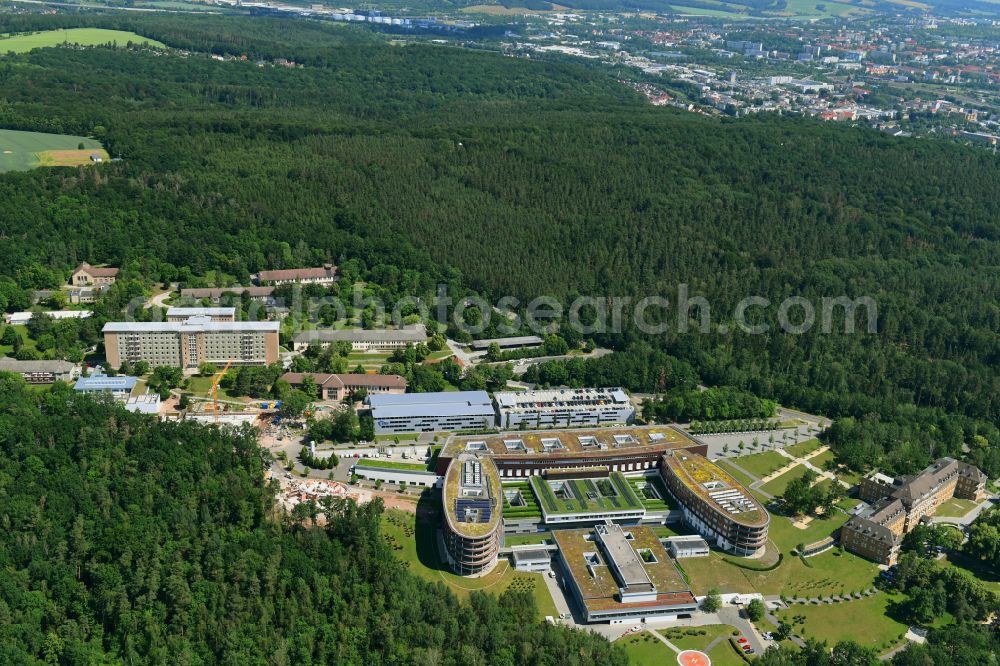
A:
(215, 390)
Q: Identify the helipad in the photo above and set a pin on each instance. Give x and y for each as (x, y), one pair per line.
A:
(693, 658)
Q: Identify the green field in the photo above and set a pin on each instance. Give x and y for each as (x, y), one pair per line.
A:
(955, 508)
(762, 464)
(864, 621)
(390, 464)
(645, 649)
(585, 495)
(20, 151)
(778, 485)
(415, 543)
(80, 36)
(803, 448)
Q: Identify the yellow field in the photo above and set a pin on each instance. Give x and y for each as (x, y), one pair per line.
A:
(61, 158)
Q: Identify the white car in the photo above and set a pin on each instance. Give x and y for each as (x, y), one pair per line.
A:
(636, 628)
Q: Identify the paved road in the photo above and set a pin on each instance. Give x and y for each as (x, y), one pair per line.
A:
(158, 299)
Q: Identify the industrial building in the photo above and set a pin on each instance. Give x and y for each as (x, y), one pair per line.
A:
(189, 343)
(431, 412)
(899, 505)
(365, 340)
(566, 408)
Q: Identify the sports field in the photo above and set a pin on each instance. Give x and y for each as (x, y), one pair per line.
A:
(21, 43)
(20, 151)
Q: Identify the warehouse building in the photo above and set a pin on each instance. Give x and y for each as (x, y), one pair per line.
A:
(565, 408)
(431, 412)
(189, 343)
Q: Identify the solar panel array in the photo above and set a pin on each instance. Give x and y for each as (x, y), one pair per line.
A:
(732, 500)
(473, 510)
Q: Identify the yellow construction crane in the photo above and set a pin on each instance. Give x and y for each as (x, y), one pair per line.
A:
(215, 390)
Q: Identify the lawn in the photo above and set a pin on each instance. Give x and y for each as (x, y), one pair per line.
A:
(737, 474)
(415, 543)
(786, 536)
(8, 350)
(696, 638)
(803, 448)
(645, 649)
(704, 573)
(864, 621)
(823, 461)
(777, 485)
(21, 151)
(955, 508)
(201, 387)
(82, 36)
(391, 464)
(762, 464)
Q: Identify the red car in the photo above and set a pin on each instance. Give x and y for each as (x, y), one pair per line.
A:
(742, 640)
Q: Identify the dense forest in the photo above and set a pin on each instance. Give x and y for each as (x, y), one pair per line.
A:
(418, 165)
(130, 541)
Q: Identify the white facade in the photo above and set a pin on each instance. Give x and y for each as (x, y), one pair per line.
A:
(563, 408)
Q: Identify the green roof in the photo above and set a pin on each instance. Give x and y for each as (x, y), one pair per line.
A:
(598, 495)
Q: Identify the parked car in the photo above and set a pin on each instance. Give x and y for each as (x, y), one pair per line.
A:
(742, 640)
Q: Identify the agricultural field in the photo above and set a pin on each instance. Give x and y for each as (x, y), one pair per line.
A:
(21, 151)
(22, 43)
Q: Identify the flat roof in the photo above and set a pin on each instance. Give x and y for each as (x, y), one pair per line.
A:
(201, 312)
(560, 398)
(465, 483)
(193, 325)
(716, 487)
(445, 403)
(55, 366)
(585, 495)
(627, 565)
(517, 341)
(573, 441)
(408, 334)
(100, 382)
(598, 585)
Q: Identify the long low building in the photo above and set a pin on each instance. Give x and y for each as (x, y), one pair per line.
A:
(507, 343)
(340, 386)
(714, 503)
(362, 339)
(22, 318)
(190, 343)
(431, 412)
(40, 372)
(521, 454)
(215, 294)
(618, 574)
(325, 275)
(119, 387)
(178, 314)
(566, 407)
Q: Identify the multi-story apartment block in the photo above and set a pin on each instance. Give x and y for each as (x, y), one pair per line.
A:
(192, 342)
(900, 504)
(566, 408)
